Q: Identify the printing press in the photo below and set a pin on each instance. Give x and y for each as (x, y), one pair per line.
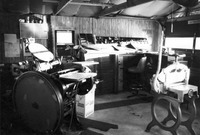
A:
(44, 93)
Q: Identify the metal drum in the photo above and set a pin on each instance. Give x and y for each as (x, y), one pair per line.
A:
(38, 100)
(42, 98)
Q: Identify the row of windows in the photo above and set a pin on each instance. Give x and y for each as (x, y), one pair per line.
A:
(182, 42)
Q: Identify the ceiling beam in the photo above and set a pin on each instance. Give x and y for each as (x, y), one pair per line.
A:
(51, 1)
(129, 3)
(186, 18)
(61, 5)
(92, 4)
(194, 21)
(115, 8)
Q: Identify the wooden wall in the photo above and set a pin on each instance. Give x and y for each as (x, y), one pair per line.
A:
(100, 27)
(115, 27)
(107, 26)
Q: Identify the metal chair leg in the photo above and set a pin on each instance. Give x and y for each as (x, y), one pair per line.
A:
(172, 102)
(188, 123)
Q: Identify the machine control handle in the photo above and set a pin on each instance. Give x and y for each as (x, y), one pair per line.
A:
(97, 81)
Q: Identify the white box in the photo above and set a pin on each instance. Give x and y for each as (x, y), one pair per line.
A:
(85, 103)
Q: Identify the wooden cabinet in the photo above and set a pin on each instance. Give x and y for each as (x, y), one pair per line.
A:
(106, 71)
(112, 71)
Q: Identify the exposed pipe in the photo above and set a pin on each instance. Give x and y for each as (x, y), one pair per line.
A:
(155, 79)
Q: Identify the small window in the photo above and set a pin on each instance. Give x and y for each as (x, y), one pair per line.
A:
(197, 47)
(179, 42)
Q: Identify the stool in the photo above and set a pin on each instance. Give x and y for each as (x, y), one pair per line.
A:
(137, 73)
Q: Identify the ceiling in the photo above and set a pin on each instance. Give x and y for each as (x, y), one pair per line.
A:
(152, 9)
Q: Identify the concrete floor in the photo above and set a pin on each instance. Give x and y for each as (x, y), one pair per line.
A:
(115, 114)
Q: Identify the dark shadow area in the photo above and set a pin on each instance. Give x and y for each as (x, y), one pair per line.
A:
(123, 103)
(9, 120)
(103, 126)
(12, 124)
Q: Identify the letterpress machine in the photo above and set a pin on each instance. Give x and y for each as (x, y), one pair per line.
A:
(45, 94)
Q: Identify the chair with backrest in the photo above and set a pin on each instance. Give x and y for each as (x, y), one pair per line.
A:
(137, 73)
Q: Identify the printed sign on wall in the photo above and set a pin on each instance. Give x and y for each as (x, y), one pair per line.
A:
(11, 45)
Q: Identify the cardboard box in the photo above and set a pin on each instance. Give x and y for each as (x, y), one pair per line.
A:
(85, 103)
